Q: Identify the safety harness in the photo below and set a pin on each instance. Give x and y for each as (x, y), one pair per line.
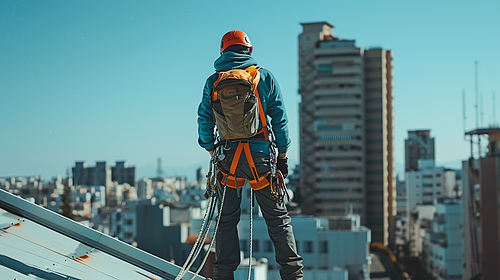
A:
(273, 178)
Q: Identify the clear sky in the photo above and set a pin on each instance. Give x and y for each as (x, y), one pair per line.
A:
(121, 80)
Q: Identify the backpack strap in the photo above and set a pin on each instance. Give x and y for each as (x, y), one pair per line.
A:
(254, 71)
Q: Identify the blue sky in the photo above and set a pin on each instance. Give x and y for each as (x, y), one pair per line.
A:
(121, 80)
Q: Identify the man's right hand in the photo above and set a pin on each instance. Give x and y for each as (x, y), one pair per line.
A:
(282, 165)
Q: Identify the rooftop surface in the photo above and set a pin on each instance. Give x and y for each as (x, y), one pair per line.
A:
(36, 243)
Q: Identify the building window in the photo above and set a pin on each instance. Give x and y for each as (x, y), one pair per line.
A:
(373, 99)
(329, 127)
(308, 247)
(268, 246)
(323, 246)
(339, 137)
(374, 110)
(256, 246)
(320, 107)
(244, 245)
(376, 58)
(325, 68)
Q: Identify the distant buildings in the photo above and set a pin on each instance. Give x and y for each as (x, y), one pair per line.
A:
(331, 247)
(429, 221)
(419, 145)
(102, 174)
(346, 130)
(442, 245)
(429, 183)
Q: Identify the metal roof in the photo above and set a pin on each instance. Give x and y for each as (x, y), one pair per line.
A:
(36, 243)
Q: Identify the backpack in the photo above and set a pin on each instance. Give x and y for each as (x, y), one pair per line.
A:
(236, 107)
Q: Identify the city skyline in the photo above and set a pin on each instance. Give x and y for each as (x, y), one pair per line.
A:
(121, 80)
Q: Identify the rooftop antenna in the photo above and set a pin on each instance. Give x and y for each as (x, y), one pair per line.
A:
(463, 111)
(481, 109)
(159, 169)
(477, 110)
(477, 95)
(494, 123)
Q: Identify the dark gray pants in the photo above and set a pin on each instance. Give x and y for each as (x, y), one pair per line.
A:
(278, 226)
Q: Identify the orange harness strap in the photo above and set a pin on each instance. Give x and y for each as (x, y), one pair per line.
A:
(257, 183)
(262, 183)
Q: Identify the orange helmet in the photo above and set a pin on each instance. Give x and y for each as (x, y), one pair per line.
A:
(235, 37)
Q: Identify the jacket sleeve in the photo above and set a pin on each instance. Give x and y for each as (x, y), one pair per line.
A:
(275, 109)
(206, 125)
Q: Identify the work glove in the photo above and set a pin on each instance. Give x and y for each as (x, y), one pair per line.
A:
(282, 165)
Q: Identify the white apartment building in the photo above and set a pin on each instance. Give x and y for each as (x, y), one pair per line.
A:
(419, 222)
(428, 183)
(331, 248)
(424, 186)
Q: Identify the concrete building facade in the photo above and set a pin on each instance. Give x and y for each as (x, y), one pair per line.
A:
(428, 183)
(346, 130)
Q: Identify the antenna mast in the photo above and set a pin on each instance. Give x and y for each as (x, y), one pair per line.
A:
(481, 108)
(477, 111)
(463, 111)
(494, 123)
(159, 169)
(477, 95)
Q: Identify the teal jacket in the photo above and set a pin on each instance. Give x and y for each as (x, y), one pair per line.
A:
(270, 97)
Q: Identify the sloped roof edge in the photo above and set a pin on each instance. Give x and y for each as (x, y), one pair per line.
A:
(91, 237)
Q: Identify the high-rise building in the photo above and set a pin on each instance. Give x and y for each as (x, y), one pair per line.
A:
(419, 145)
(123, 174)
(346, 130)
(480, 196)
(103, 174)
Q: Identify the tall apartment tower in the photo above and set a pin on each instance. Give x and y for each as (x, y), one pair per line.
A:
(346, 130)
(419, 145)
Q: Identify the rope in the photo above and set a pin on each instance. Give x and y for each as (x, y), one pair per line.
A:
(251, 237)
(192, 255)
(205, 225)
(215, 232)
